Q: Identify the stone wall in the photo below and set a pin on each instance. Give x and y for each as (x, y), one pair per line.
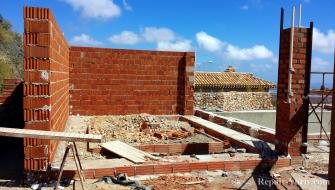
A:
(234, 101)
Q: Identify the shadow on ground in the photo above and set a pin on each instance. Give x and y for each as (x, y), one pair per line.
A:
(11, 115)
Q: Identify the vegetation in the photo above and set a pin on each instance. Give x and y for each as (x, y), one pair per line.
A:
(11, 52)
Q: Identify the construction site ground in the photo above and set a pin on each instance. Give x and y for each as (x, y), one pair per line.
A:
(127, 129)
(314, 169)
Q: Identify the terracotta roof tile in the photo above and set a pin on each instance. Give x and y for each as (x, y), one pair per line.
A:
(230, 80)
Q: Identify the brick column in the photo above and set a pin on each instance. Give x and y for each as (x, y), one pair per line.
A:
(292, 117)
(189, 83)
(331, 171)
(46, 57)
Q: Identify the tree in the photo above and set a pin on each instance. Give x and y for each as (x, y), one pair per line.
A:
(11, 52)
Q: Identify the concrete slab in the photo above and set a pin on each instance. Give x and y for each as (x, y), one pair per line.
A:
(95, 164)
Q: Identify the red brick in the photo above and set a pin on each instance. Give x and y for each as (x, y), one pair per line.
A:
(163, 169)
(289, 122)
(217, 165)
(40, 26)
(232, 165)
(181, 167)
(46, 88)
(144, 170)
(129, 170)
(104, 172)
(198, 166)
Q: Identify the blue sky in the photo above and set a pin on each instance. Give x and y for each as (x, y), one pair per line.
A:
(242, 33)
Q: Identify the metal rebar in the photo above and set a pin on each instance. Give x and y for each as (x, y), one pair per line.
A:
(299, 16)
(291, 69)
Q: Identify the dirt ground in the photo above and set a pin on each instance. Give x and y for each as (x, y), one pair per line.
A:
(315, 164)
(126, 129)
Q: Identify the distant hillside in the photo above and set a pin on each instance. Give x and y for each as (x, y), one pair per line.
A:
(11, 52)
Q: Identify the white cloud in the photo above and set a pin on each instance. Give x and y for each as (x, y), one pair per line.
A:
(84, 39)
(245, 7)
(153, 34)
(104, 9)
(208, 42)
(125, 37)
(164, 38)
(126, 5)
(232, 52)
(319, 64)
(255, 52)
(323, 42)
(183, 45)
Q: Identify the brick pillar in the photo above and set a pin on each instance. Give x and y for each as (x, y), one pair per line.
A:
(292, 117)
(36, 86)
(45, 102)
(331, 171)
(189, 83)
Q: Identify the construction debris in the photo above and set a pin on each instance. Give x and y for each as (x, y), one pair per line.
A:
(145, 129)
(122, 179)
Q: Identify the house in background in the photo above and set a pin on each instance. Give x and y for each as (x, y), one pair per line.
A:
(232, 91)
(230, 80)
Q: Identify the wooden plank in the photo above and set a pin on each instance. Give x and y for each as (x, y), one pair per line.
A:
(123, 151)
(50, 135)
(126, 153)
(247, 141)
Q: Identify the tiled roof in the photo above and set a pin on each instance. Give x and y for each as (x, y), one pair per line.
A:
(230, 80)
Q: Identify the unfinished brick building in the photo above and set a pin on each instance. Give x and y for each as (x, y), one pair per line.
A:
(62, 80)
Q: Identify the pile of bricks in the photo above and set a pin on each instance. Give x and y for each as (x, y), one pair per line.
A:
(46, 86)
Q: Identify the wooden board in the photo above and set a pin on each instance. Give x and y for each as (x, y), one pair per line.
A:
(126, 151)
(50, 135)
(247, 141)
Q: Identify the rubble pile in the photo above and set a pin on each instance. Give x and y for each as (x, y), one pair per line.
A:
(234, 101)
(143, 129)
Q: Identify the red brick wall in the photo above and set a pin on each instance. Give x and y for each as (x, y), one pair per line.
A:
(9, 90)
(114, 81)
(46, 87)
(291, 117)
